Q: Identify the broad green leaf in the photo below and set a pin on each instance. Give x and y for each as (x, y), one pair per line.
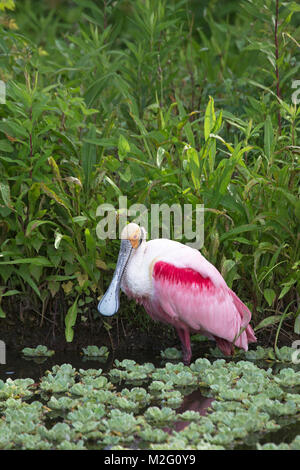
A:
(269, 295)
(70, 321)
(272, 320)
(5, 146)
(9, 4)
(209, 118)
(123, 147)
(5, 193)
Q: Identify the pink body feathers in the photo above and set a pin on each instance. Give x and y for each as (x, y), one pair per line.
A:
(178, 286)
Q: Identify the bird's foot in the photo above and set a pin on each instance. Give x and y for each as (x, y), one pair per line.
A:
(186, 357)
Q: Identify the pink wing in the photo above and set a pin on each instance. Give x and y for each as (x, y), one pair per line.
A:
(192, 301)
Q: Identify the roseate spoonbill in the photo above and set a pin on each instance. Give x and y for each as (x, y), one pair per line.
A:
(178, 286)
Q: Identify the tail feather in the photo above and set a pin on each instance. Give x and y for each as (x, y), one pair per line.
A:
(242, 309)
(246, 334)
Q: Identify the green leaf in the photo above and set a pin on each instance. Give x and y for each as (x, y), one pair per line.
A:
(123, 147)
(34, 224)
(10, 292)
(126, 175)
(90, 244)
(269, 295)
(80, 220)
(70, 321)
(113, 185)
(9, 4)
(2, 313)
(89, 156)
(268, 137)
(54, 196)
(272, 320)
(297, 324)
(5, 193)
(193, 159)
(240, 229)
(184, 118)
(286, 288)
(38, 261)
(5, 146)
(24, 273)
(160, 156)
(209, 118)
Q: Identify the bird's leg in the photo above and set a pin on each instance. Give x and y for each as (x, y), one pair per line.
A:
(184, 336)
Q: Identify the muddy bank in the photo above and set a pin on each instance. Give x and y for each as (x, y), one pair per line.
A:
(138, 333)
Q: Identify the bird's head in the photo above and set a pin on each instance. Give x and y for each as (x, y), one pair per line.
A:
(131, 238)
(134, 234)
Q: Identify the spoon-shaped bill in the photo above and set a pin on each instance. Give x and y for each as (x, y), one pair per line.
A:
(110, 302)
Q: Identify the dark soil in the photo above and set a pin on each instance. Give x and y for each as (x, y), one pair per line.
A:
(135, 332)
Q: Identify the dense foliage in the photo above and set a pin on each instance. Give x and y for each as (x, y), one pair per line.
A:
(165, 101)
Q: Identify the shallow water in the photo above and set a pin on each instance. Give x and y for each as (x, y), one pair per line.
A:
(20, 367)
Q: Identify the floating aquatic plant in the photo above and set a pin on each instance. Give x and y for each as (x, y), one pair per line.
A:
(90, 372)
(172, 354)
(248, 401)
(95, 351)
(284, 354)
(159, 416)
(59, 380)
(133, 373)
(172, 398)
(121, 422)
(62, 403)
(294, 445)
(138, 395)
(151, 434)
(59, 432)
(56, 384)
(189, 416)
(67, 445)
(39, 351)
(15, 388)
(260, 353)
(124, 404)
(97, 382)
(288, 377)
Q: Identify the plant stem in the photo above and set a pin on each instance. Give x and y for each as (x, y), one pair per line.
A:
(277, 57)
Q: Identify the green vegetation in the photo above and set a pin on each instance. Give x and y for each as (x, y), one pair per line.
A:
(40, 350)
(165, 101)
(247, 406)
(94, 351)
